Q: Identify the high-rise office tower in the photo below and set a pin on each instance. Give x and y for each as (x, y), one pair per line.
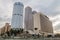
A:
(17, 17)
(42, 24)
(28, 18)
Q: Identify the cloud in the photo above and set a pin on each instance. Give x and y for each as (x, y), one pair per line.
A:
(57, 9)
(48, 7)
(57, 31)
(57, 26)
(56, 22)
(54, 18)
(3, 20)
(5, 11)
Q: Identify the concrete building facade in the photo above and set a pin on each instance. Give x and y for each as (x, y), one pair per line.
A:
(17, 16)
(28, 18)
(5, 28)
(42, 24)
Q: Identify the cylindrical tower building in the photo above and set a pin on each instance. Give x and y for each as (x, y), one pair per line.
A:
(28, 18)
(17, 17)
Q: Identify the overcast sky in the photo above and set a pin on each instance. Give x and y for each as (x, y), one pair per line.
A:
(51, 8)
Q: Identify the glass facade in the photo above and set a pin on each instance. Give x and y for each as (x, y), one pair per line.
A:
(17, 16)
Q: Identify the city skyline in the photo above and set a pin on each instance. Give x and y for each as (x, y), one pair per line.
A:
(50, 8)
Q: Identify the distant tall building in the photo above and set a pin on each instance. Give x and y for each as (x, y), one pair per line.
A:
(28, 18)
(42, 24)
(34, 12)
(17, 17)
